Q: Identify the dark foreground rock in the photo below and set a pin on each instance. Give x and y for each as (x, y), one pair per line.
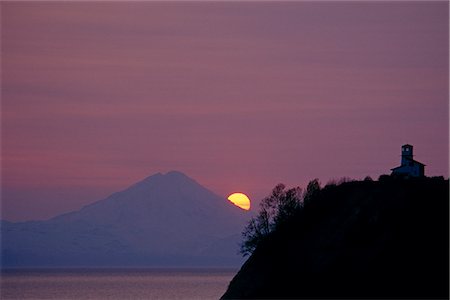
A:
(367, 239)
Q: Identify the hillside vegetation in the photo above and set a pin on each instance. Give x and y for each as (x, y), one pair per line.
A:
(361, 239)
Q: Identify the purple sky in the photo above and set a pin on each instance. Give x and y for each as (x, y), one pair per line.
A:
(239, 96)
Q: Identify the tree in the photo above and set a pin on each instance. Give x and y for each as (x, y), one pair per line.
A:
(255, 231)
(275, 210)
(311, 190)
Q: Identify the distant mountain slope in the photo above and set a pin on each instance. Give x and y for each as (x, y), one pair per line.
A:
(164, 220)
(387, 239)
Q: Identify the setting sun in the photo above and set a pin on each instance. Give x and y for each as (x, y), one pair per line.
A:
(240, 200)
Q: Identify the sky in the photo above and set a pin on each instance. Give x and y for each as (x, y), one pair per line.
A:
(237, 95)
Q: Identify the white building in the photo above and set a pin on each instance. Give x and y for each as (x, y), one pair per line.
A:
(409, 166)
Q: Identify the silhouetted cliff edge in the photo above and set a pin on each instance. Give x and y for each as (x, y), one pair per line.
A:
(364, 239)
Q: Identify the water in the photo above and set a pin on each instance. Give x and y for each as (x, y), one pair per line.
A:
(115, 283)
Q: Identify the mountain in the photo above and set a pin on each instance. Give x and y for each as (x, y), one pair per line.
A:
(163, 220)
(357, 240)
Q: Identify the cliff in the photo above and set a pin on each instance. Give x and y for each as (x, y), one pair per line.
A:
(365, 239)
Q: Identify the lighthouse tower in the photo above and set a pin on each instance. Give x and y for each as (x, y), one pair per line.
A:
(407, 154)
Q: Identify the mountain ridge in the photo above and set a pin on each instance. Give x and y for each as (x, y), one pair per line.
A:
(167, 218)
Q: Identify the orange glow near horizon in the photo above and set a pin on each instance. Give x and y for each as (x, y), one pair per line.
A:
(241, 200)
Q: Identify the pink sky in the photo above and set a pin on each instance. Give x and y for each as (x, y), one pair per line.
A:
(239, 96)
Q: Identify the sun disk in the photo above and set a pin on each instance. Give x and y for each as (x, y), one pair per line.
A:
(241, 200)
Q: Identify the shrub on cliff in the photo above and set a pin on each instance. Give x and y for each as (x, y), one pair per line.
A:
(276, 210)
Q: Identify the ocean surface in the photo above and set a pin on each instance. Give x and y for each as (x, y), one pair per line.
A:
(114, 283)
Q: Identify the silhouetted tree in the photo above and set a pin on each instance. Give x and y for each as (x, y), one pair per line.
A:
(311, 190)
(256, 229)
(368, 178)
(275, 209)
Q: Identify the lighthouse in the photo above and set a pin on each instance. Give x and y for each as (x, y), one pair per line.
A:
(409, 166)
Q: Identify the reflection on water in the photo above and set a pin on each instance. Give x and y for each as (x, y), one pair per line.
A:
(115, 283)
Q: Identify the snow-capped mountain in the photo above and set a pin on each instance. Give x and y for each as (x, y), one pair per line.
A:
(164, 220)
